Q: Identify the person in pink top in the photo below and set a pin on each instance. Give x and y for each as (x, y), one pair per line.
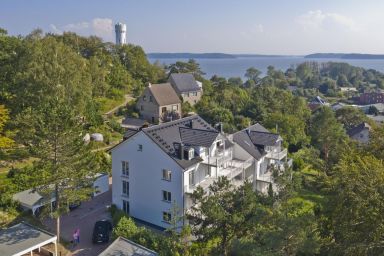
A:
(78, 235)
(75, 238)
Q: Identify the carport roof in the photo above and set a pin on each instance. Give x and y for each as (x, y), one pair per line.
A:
(125, 247)
(23, 238)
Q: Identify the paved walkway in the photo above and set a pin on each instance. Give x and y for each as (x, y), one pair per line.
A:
(128, 98)
(84, 217)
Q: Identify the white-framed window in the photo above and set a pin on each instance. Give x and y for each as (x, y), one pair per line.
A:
(125, 168)
(139, 147)
(175, 107)
(144, 98)
(150, 99)
(167, 217)
(194, 93)
(192, 178)
(126, 206)
(167, 175)
(125, 188)
(191, 153)
(167, 196)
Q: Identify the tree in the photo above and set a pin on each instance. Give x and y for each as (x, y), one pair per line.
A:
(253, 74)
(327, 134)
(54, 134)
(350, 117)
(225, 214)
(4, 141)
(186, 67)
(352, 219)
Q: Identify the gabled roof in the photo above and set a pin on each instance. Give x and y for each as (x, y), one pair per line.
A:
(264, 138)
(164, 94)
(22, 238)
(184, 82)
(359, 128)
(196, 137)
(253, 138)
(125, 247)
(168, 135)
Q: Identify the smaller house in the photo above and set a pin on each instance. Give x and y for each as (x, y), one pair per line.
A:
(187, 87)
(125, 247)
(25, 239)
(360, 132)
(159, 103)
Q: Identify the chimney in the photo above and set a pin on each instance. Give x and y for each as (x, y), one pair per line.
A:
(181, 151)
(149, 85)
(221, 127)
(248, 131)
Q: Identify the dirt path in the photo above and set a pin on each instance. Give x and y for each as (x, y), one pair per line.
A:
(128, 98)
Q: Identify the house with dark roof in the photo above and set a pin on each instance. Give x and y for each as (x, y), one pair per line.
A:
(360, 132)
(266, 149)
(159, 103)
(186, 87)
(162, 165)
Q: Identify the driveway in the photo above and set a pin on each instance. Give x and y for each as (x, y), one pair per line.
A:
(84, 217)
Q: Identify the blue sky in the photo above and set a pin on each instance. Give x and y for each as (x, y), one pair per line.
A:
(231, 26)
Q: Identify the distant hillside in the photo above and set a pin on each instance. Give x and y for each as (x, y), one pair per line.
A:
(186, 55)
(190, 56)
(345, 56)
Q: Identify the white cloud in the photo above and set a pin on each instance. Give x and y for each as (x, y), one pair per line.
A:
(320, 20)
(76, 26)
(102, 27)
(54, 29)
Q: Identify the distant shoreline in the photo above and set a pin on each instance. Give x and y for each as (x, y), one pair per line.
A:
(357, 56)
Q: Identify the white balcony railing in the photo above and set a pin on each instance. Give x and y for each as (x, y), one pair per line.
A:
(277, 155)
(235, 168)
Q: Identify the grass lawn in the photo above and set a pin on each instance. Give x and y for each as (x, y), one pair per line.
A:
(108, 104)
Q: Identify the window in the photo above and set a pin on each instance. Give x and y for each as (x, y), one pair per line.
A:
(167, 196)
(167, 175)
(126, 206)
(144, 98)
(194, 93)
(125, 168)
(167, 216)
(174, 107)
(139, 147)
(191, 153)
(141, 107)
(192, 178)
(150, 98)
(125, 188)
(163, 109)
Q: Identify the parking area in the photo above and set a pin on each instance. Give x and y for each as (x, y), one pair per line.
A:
(84, 218)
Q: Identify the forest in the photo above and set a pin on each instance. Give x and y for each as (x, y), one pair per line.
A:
(55, 88)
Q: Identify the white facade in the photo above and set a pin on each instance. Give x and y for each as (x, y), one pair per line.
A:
(146, 184)
(121, 33)
(101, 184)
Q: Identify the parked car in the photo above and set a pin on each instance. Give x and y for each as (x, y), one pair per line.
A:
(74, 205)
(101, 231)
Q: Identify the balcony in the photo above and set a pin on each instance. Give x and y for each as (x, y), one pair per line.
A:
(277, 155)
(233, 171)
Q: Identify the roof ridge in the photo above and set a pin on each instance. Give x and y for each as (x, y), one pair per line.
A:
(188, 128)
(163, 125)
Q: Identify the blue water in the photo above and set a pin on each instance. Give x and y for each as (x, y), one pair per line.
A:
(237, 67)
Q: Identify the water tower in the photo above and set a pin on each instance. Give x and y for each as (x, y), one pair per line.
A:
(121, 33)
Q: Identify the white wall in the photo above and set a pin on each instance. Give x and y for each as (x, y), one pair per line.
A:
(101, 184)
(145, 179)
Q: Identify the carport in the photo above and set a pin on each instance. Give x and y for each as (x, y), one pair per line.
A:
(25, 239)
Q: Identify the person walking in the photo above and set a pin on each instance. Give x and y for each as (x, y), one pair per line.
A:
(74, 238)
(78, 235)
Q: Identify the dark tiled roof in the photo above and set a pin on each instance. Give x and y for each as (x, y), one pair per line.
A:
(184, 82)
(125, 247)
(359, 128)
(164, 94)
(251, 138)
(168, 135)
(134, 122)
(195, 137)
(129, 133)
(263, 138)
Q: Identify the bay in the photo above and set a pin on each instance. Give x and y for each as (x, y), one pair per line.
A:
(236, 67)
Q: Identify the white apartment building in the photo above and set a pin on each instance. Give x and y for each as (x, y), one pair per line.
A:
(162, 165)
